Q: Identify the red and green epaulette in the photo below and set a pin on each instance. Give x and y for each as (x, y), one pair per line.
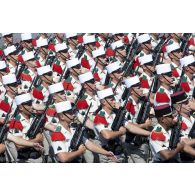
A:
(100, 119)
(158, 135)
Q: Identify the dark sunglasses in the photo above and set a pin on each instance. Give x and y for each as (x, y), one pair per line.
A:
(60, 93)
(186, 102)
(147, 42)
(29, 103)
(70, 112)
(170, 116)
(13, 84)
(8, 36)
(110, 98)
(28, 41)
(149, 64)
(177, 50)
(119, 71)
(169, 74)
(78, 66)
(48, 74)
(92, 81)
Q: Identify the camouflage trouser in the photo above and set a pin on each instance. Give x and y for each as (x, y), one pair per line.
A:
(137, 154)
(91, 157)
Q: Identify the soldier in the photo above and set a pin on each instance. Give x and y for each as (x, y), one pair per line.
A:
(3, 71)
(165, 79)
(7, 39)
(174, 53)
(147, 76)
(20, 125)
(12, 88)
(11, 54)
(26, 42)
(63, 133)
(160, 137)
(120, 50)
(100, 73)
(115, 73)
(187, 83)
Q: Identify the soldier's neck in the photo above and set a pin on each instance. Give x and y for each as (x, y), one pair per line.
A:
(26, 116)
(165, 126)
(108, 110)
(45, 84)
(186, 116)
(189, 75)
(176, 62)
(12, 62)
(135, 98)
(166, 86)
(11, 94)
(89, 92)
(65, 124)
(149, 73)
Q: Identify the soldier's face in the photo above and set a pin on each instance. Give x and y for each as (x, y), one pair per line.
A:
(110, 102)
(27, 44)
(8, 38)
(31, 63)
(151, 68)
(168, 80)
(60, 96)
(147, 46)
(177, 55)
(185, 107)
(137, 91)
(169, 120)
(121, 51)
(60, 35)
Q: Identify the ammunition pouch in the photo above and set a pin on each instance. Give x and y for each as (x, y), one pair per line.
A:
(27, 153)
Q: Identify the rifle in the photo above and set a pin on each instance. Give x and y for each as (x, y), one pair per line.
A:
(79, 133)
(145, 108)
(184, 43)
(175, 134)
(120, 116)
(4, 129)
(80, 52)
(178, 87)
(192, 131)
(38, 122)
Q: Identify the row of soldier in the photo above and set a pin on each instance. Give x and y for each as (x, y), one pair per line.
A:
(97, 98)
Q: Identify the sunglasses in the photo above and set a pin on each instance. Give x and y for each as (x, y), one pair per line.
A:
(60, 93)
(177, 50)
(149, 64)
(13, 84)
(110, 98)
(48, 74)
(119, 71)
(70, 112)
(29, 103)
(170, 116)
(169, 74)
(78, 66)
(92, 81)
(147, 42)
(186, 102)
(28, 41)
(8, 36)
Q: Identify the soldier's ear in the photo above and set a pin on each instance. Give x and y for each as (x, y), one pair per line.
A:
(20, 108)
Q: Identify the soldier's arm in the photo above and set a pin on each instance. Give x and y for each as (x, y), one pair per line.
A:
(69, 156)
(135, 129)
(97, 149)
(20, 141)
(50, 127)
(107, 134)
(168, 154)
